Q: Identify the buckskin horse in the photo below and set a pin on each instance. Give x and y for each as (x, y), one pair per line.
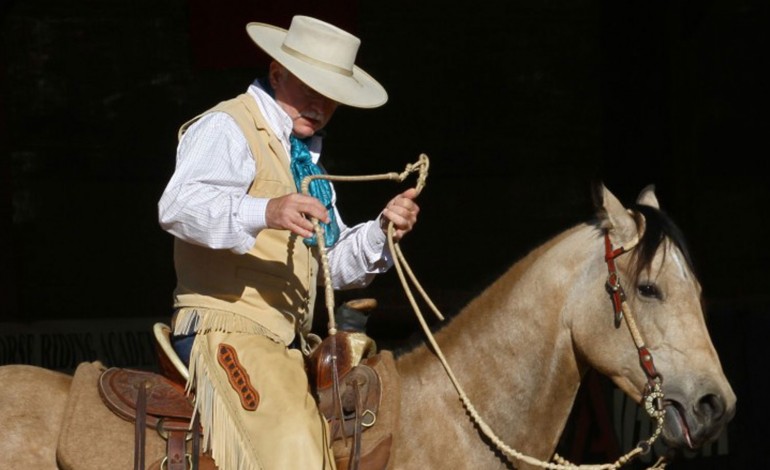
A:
(517, 354)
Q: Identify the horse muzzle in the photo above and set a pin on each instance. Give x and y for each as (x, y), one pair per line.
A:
(691, 424)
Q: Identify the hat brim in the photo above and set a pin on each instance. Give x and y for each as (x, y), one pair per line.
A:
(359, 90)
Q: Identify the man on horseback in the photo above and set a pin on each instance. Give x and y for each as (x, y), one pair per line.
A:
(244, 258)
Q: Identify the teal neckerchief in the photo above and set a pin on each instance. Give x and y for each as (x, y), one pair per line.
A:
(301, 166)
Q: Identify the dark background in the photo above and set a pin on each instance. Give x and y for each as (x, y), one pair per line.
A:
(520, 105)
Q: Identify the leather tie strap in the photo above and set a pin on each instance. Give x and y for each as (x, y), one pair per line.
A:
(176, 451)
(355, 456)
(139, 425)
(196, 441)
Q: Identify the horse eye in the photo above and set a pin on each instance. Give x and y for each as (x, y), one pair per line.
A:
(649, 290)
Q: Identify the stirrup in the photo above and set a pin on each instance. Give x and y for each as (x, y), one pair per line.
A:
(170, 364)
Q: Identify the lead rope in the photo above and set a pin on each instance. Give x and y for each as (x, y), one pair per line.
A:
(399, 261)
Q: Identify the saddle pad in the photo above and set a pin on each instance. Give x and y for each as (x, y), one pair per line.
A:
(93, 437)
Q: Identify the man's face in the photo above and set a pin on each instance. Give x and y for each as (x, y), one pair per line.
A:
(309, 110)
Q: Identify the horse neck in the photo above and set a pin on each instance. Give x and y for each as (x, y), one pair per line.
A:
(511, 348)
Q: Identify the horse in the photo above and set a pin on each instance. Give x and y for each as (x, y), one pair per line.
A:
(513, 358)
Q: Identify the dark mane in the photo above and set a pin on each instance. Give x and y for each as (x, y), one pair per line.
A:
(658, 227)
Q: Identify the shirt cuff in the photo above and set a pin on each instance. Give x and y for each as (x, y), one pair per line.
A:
(252, 219)
(251, 214)
(376, 243)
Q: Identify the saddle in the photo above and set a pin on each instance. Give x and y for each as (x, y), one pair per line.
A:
(150, 400)
(107, 405)
(94, 437)
(158, 402)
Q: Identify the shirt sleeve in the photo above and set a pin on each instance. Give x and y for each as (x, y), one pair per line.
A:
(206, 201)
(359, 255)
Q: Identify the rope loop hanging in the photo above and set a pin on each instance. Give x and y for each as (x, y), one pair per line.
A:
(421, 166)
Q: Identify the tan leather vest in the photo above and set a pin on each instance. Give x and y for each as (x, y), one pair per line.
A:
(274, 284)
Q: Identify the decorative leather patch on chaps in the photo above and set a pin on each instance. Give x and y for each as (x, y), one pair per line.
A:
(238, 377)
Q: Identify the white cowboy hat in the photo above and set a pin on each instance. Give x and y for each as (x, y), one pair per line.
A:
(323, 57)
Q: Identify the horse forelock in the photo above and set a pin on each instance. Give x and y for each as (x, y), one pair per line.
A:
(658, 227)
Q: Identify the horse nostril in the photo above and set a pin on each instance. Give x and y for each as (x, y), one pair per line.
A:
(711, 407)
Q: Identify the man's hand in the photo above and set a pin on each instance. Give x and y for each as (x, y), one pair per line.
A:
(293, 212)
(402, 211)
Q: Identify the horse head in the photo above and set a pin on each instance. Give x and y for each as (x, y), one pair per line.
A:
(661, 298)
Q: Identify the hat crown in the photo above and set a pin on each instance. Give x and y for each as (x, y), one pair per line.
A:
(321, 43)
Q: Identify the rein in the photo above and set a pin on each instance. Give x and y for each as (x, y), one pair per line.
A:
(653, 395)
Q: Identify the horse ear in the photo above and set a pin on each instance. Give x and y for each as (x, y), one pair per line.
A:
(647, 197)
(616, 218)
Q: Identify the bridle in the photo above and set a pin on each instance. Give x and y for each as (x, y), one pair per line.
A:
(652, 396)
